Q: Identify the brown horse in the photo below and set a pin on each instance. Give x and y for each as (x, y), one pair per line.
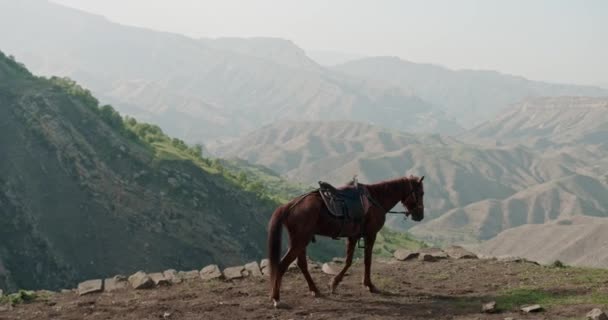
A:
(308, 215)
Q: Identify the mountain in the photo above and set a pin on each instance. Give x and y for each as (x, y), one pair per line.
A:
(541, 203)
(548, 122)
(473, 191)
(330, 58)
(578, 241)
(84, 194)
(471, 96)
(200, 90)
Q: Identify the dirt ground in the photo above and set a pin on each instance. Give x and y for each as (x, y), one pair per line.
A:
(446, 289)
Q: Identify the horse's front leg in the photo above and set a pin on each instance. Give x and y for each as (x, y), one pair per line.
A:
(350, 250)
(369, 246)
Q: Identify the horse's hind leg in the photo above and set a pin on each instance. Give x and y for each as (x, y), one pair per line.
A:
(303, 265)
(350, 250)
(292, 253)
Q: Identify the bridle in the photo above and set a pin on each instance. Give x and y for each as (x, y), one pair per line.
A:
(405, 214)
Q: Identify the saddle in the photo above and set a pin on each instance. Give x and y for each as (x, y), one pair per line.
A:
(347, 203)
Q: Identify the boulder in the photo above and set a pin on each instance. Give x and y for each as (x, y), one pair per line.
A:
(489, 307)
(159, 279)
(597, 314)
(532, 308)
(171, 275)
(330, 268)
(211, 272)
(188, 275)
(338, 260)
(117, 282)
(90, 286)
(234, 272)
(140, 280)
(427, 257)
(266, 271)
(264, 263)
(403, 255)
(458, 252)
(254, 269)
(435, 252)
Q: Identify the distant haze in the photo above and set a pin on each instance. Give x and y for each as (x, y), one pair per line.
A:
(550, 40)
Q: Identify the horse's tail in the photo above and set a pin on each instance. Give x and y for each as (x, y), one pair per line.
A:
(275, 227)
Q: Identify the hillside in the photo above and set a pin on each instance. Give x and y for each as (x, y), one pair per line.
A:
(413, 289)
(542, 203)
(575, 241)
(471, 96)
(548, 122)
(82, 195)
(199, 90)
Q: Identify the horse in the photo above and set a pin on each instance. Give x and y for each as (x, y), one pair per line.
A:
(307, 216)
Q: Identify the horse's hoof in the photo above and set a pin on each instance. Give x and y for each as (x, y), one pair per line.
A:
(372, 289)
(279, 305)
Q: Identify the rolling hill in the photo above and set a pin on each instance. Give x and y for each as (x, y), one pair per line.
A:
(82, 194)
(197, 89)
(474, 191)
(579, 241)
(471, 96)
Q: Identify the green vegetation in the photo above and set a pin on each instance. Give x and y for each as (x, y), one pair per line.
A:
(22, 296)
(515, 298)
(388, 241)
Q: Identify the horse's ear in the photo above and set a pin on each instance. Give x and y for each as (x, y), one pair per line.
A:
(421, 178)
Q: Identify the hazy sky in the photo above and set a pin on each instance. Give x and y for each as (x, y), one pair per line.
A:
(553, 40)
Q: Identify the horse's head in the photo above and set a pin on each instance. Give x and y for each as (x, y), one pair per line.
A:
(413, 199)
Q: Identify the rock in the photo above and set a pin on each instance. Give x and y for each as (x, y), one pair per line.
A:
(166, 315)
(489, 307)
(64, 291)
(293, 265)
(435, 252)
(90, 286)
(159, 279)
(118, 282)
(427, 257)
(266, 271)
(140, 280)
(188, 275)
(234, 272)
(532, 308)
(338, 260)
(264, 263)
(331, 269)
(211, 272)
(458, 252)
(171, 275)
(597, 314)
(1, 293)
(254, 269)
(509, 318)
(403, 255)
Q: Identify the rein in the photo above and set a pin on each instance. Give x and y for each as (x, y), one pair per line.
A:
(374, 202)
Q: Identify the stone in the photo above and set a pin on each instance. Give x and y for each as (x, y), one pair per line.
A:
(427, 257)
(509, 318)
(489, 307)
(330, 269)
(264, 263)
(90, 286)
(597, 314)
(458, 252)
(211, 272)
(140, 280)
(254, 269)
(532, 308)
(234, 272)
(159, 279)
(338, 260)
(115, 283)
(435, 252)
(188, 275)
(64, 291)
(266, 271)
(171, 275)
(403, 255)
